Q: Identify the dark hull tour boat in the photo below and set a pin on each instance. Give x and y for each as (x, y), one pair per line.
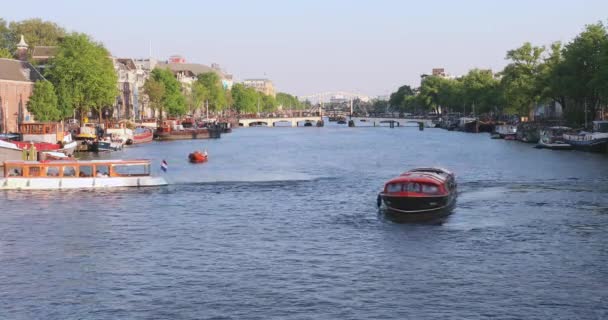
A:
(419, 195)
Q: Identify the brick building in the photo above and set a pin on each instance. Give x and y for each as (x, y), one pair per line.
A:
(17, 79)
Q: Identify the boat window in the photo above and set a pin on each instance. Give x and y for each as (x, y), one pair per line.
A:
(15, 172)
(413, 187)
(131, 170)
(52, 171)
(69, 171)
(393, 187)
(102, 171)
(34, 171)
(430, 189)
(86, 171)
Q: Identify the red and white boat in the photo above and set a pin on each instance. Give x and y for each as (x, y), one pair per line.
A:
(419, 195)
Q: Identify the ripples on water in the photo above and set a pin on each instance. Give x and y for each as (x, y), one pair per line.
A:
(281, 223)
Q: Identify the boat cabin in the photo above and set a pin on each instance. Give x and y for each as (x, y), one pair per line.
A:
(76, 169)
(423, 182)
(50, 132)
(600, 126)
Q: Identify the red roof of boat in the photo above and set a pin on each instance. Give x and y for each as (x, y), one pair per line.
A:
(437, 176)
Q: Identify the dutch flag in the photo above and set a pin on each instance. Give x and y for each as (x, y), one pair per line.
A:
(164, 165)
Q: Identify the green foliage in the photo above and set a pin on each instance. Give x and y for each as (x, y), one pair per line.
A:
(5, 53)
(245, 99)
(397, 99)
(173, 101)
(83, 75)
(267, 102)
(288, 101)
(521, 78)
(480, 91)
(36, 32)
(211, 90)
(43, 102)
(155, 90)
(582, 71)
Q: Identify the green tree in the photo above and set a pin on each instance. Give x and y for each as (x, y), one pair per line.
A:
(550, 81)
(83, 75)
(197, 96)
(36, 32)
(155, 90)
(268, 103)
(521, 77)
(480, 90)
(580, 71)
(5, 53)
(397, 98)
(214, 90)
(173, 100)
(5, 36)
(43, 102)
(429, 92)
(245, 99)
(287, 101)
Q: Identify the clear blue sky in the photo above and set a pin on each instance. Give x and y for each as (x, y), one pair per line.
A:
(312, 46)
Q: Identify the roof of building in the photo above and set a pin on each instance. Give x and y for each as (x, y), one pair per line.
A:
(195, 68)
(128, 63)
(16, 70)
(265, 80)
(44, 51)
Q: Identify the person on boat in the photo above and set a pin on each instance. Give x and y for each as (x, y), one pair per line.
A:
(205, 153)
(98, 174)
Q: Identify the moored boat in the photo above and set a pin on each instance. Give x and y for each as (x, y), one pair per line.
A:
(142, 135)
(419, 195)
(468, 125)
(552, 138)
(506, 131)
(596, 141)
(74, 174)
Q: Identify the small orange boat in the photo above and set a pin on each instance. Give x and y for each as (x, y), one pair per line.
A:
(198, 157)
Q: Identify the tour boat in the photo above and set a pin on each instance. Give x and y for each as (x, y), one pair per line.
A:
(75, 174)
(596, 141)
(198, 157)
(552, 138)
(419, 195)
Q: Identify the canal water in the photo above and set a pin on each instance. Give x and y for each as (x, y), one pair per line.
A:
(281, 223)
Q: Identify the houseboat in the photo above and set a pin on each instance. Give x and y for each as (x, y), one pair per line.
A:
(468, 125)
(596, 141)
(74, 174)
(552, 138)
(419, 195)
(50, 134)
(506, 131)
(186, 129)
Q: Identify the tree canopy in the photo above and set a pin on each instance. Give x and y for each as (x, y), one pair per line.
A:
(83, 75)
(155, 90)
(211, 90)
(43, 102)
(173, 101)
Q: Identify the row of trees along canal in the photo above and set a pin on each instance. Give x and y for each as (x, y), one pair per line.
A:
(574, 75)
(81, 79)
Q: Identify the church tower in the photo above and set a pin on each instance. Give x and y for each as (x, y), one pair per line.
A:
(22, 50)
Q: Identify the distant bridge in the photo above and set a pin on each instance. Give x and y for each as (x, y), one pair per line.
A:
(331, 96)
(271, 122)
(357, 121)
(397, 122)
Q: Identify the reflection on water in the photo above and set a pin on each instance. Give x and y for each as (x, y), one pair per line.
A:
(282, 223)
